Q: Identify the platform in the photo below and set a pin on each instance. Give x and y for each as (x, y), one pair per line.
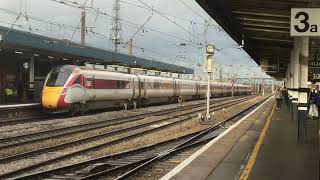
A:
(16, 106)
(236, 155)
(19, 111)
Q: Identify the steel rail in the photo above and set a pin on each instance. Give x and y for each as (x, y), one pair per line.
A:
(107, 134)
(60, 132)
(36, 165)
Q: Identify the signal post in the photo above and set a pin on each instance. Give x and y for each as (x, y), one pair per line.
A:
(209, 69)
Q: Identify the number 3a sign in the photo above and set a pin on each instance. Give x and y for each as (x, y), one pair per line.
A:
(305, 22)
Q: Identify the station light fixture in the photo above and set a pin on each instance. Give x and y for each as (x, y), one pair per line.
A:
(18, 52)
(36, 55)
(65, 59)
(50, 57)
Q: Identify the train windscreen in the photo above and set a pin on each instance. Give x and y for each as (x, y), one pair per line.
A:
(59, 76)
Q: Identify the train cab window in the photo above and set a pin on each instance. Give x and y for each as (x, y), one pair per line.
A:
(78, 80)
(59, 76)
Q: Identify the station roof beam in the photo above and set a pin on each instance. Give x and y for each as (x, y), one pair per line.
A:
(264, 26)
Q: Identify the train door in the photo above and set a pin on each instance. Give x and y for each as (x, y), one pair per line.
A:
(198, 89)
(133, 88)
(142, 88)
(139, 91)
(178, 88)
(175, 92)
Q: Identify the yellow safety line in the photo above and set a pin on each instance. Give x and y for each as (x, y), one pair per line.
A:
(246, 172)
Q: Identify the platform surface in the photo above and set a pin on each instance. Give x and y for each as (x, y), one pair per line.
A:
(279, 156)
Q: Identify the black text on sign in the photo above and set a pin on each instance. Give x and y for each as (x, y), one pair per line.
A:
(305, 22)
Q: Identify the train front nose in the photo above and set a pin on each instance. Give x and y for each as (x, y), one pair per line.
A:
(51, 96)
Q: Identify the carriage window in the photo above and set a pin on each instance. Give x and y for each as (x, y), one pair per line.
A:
(156, 85)
(59, 76)
(121, 84)
(148, 85)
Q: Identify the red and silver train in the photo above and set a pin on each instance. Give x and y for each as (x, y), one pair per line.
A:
(77, 89)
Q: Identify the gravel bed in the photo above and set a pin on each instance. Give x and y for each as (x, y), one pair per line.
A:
(158, 170)
(172, 132)
(20, 129)
(47, 156)
(55, 141)
(78, 136)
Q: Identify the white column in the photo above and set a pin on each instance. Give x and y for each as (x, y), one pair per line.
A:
(288, 77)
(290, 80)
(303, 98)
(303, 90)
(296, 73)
(296, 70)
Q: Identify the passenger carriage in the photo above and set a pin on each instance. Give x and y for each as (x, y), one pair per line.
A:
(76, 89)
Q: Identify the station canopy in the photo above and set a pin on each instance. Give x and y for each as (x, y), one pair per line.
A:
(262, 27)
(12, 40)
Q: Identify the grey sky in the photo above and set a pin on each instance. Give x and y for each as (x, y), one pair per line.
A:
(148, 43)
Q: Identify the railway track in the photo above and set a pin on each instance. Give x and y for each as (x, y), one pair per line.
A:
(60, 132)
(125, 164)
(137, 131)
(107, 134)
(17, 115)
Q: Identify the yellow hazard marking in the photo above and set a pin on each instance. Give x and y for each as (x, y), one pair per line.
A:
(246, 172)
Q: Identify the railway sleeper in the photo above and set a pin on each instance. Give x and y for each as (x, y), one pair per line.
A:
(94, 168)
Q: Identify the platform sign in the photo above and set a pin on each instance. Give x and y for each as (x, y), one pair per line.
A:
(316, 76)
(305, 22)
(314, 63)
(209, 63)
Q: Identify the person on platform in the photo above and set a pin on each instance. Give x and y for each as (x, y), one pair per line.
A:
(284, 96)
(8, 92)
(317, 102)
(311, 98)
(314, 100)
(278, 96)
